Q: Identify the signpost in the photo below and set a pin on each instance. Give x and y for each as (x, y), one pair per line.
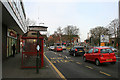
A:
(103, 39)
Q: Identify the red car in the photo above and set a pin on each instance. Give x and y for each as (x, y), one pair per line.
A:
(100, 55)
(58, 48)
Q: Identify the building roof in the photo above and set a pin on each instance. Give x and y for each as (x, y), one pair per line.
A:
(38, 28)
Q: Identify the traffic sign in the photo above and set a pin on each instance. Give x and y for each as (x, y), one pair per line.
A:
(104, 38)
(102, 44)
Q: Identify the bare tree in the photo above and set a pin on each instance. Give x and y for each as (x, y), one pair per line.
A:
(97, 32)
(60, 30)
(29, 22)
(114, 31)
(60, 33)
(113, 28)
(71, 31)
(48, 33)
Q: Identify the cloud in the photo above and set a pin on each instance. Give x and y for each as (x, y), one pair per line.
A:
(62, 13)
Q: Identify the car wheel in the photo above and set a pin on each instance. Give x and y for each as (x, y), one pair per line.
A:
(74, 54)
(84, 59)
(97, 62)
(113, 62)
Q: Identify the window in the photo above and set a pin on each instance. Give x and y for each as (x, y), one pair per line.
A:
(73, 48)
(90, 51)
(105, 51)
(95, 50)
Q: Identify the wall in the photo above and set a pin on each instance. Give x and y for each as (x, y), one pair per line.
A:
(4, 41)
(0, 41)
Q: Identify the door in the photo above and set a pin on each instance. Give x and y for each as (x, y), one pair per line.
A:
(88, 56)
(94, 54)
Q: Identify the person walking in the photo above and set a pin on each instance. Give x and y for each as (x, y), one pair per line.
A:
(13, 50)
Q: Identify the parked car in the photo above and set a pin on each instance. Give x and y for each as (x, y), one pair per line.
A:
(100, 55)
(114, 49)
(51, 48)
(58, 48)
(63, 47)
(77, 50)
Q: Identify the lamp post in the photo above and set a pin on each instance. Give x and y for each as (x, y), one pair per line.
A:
(38, 49)
(38, 57)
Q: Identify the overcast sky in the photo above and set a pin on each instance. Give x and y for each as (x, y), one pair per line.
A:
(85, 14)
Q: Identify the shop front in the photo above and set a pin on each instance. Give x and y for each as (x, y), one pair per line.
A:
(11, 40)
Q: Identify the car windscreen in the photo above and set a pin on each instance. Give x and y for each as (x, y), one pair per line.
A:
(106, 51)
(52, 47)
(80, 48)
(59, 47)
(63, 46)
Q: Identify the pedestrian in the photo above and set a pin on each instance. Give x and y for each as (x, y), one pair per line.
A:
(13, 50)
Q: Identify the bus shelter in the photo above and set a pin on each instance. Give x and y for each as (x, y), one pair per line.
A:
(32, 47)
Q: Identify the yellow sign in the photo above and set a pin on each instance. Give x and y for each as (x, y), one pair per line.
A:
(102, 44)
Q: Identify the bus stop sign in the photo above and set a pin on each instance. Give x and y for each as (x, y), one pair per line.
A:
(38, 47)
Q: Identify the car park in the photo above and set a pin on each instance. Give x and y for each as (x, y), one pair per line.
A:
(100, 55)
(58, 48)
(77, 50)
(51, 48)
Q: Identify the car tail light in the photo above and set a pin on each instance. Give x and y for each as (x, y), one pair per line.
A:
(75, 49)
(113, 54)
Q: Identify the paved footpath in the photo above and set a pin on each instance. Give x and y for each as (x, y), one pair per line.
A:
(11, 68)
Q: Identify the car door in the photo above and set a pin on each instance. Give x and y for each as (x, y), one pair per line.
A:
(88, 56)
(94, 54)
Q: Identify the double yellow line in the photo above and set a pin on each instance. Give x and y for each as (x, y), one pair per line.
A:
(59, 73)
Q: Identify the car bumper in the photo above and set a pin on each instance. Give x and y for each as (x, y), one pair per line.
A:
(103, 60)
(59, 50)
(80, 53)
